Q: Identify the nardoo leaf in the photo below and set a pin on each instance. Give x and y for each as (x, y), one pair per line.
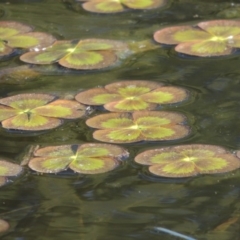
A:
(85, 54)
(86, 158)
(113, 6)
(129, 96)
(210, 38)
(138, 126)
(188, 160)
(37, 111)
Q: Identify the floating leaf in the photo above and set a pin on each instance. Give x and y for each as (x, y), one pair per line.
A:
(36, 40)
(4, 226)
(128, 96)
(37, 111)
(138, 126)
(8, 169)
(188, 160)
(113, 6)
(85, 54)
(210, 38)
(17, 35)
(88, 158)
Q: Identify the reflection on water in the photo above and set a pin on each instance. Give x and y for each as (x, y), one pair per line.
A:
(128, 203)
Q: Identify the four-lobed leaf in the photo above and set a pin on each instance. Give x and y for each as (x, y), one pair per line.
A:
(87, 158)
(8, 169)
(188, 160)
(113, 6)
(210, 38)
(85, 54)
(35, 112)
(129, 96)
(139, 126)
(17, 35)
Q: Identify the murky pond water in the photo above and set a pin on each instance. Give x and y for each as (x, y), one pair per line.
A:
(129, 202)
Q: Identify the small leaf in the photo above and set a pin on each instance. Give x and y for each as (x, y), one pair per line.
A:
(10, 28)
(93, 165)
(61, 109)
(143, 4)
(9, 169)
(54, 151)
(204, 49)
(4, 226)
(4, 49)
(89, 60)
(96, 96)
(107, 6)
(6, 112)
(179, 34)
(27, 101)
(37, 40)
(31, 122)
(49, 164)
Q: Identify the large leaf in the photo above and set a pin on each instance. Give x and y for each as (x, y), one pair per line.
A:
(188, 160)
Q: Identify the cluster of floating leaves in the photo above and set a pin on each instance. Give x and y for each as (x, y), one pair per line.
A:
(113, 6)
(188, 160)
(8, 169)
(139, 126)
(84, 54)
(210, 38)
(34, 112)
(17, 35)
(87, 158)
(129, 96)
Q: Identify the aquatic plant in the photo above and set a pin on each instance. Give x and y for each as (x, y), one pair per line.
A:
(113, 6)
(4, 226)
(17, 74)
(84, 54)
(35, 112)
(8, 169)
(139, 126)
(17, 35)
(87, 158)
(188, 160)
(128, 96)
(206, 39)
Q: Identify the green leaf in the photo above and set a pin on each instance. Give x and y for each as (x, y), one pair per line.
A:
(30, 122)
(6, 112)
(49, 164)
(188, 160)
(54, 151)
(106, 6)
(204, 49)
(143, 4)
(93, 165)
(61, 109)
(9, 169)
(88, 60)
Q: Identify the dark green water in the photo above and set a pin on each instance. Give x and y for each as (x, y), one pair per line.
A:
(127, 203)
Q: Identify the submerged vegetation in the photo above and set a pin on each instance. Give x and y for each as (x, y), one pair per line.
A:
(206, 39)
